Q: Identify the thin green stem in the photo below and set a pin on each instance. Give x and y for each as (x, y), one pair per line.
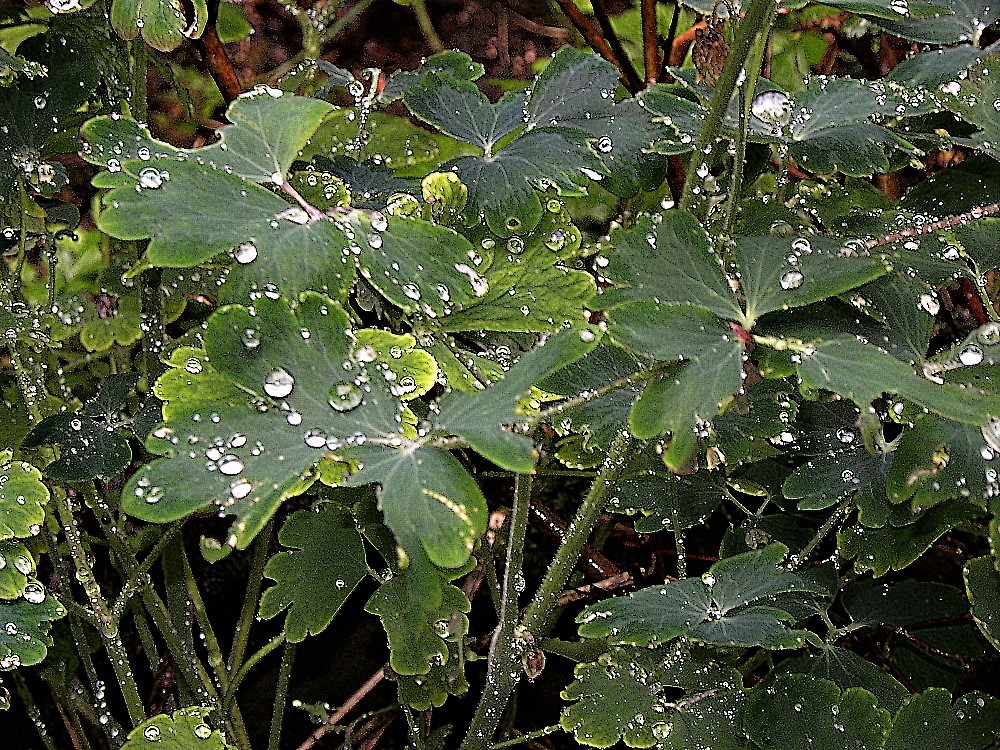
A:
(24, 693)
(803, 555)
(675, 524)
(733, 71)
(504, 667)
(527, 737)
(426, 26)
(281, 695)
(254, 585)
(345, 20)
(230, 697)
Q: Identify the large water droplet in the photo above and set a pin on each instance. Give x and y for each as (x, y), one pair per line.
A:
(345, 396)
(34, 593)
(791, 280)
(150, 178)
(278, 384)
(379, 222)
(411, 291)
(772, 108)
(230, 465)
(970, 355)
(152, 733)
(246, 253)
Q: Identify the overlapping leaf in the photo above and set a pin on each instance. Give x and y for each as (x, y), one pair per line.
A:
(665, 697)
(731, 605)
(23, 496)
(982, 583)
(164, 24)
(184, 729)
(24, 639)
(480, 418)
(965, 23)
(325, 564)
(306, 395)
(932, 720)
(798, 712)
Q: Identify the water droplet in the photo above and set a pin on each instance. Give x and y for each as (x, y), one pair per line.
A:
(40, 102)
(34, 593)
(989, 334)
(971, 355)
(152, 733)
(294, 419)
(143, 153)
(772, 108)
(411, 291)
(929, 304)
(379, 222)
(246, 253)
(315, 439)
(240, 489)
(604, 145)
(230, 465)
(193, 365)
(278, 384)
(902, 7)
(345, 396)
(150, 178)
(791, 280)
(845, 435)
(202, 732)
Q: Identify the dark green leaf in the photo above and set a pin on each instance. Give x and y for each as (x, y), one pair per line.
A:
(480, 417)
(798, 712)
(932, 721)
(863, 372)
(456, 65)
(325, 564)
(965, 23)
(728, 606)
(848, 670)
(87, 449)
(982, 583)
(164, 24)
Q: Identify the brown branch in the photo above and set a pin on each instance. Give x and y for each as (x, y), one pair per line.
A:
(632, 81)
(592, 36)
(607, 586)
(650, 51)
(593, 564)
(341, 712)
(682, 43)
(219, 65)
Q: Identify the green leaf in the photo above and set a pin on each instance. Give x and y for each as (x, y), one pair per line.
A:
(529, 287)
(645, 487)
(848, 670)
(668, 261)
(936, 67)
(863, 372)
(306, 395)
(36, 109)
(779, 273)
(232, 24)
(631, 695)
(23, 496)
(966, 22)
(416, 607)
(200, 212)
(458, 108)
(184, 729)
(800, 713)
(728, 606)
(976, 100)
(479, 418)
(938, 460)
(931, 720)
(413, 371)
(825, 481)
(24, 639)
(87, 449)
(893, 11)
(981, 243)
(894, 548)
(982, 583)
(325, 564)
(428, 498)
(164, 24)
(18, 566)
(902, 604)
(456, 65)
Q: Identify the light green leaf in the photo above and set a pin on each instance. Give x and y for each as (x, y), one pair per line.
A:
(863, 372)
(480, 417)
(623, 697)
(728, 606)
(24, 639)
(325, 564)
(18, 566)
(931, 721)
(798, 712)
(306, 395)
(23, 496)
(184, 729)
(164, 24)
(413, 371)
(982, 583)
(427, 497)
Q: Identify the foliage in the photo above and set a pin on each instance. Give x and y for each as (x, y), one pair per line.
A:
(357, 339)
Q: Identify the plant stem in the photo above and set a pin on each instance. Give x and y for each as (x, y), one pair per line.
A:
(536, 620)
(426, 26)
(756, 19)
(255, 583)
(281, 695)
(650, 50)
(682, 565)
(632, 80)
(341, 712)
(803, 555)
(504, 667)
